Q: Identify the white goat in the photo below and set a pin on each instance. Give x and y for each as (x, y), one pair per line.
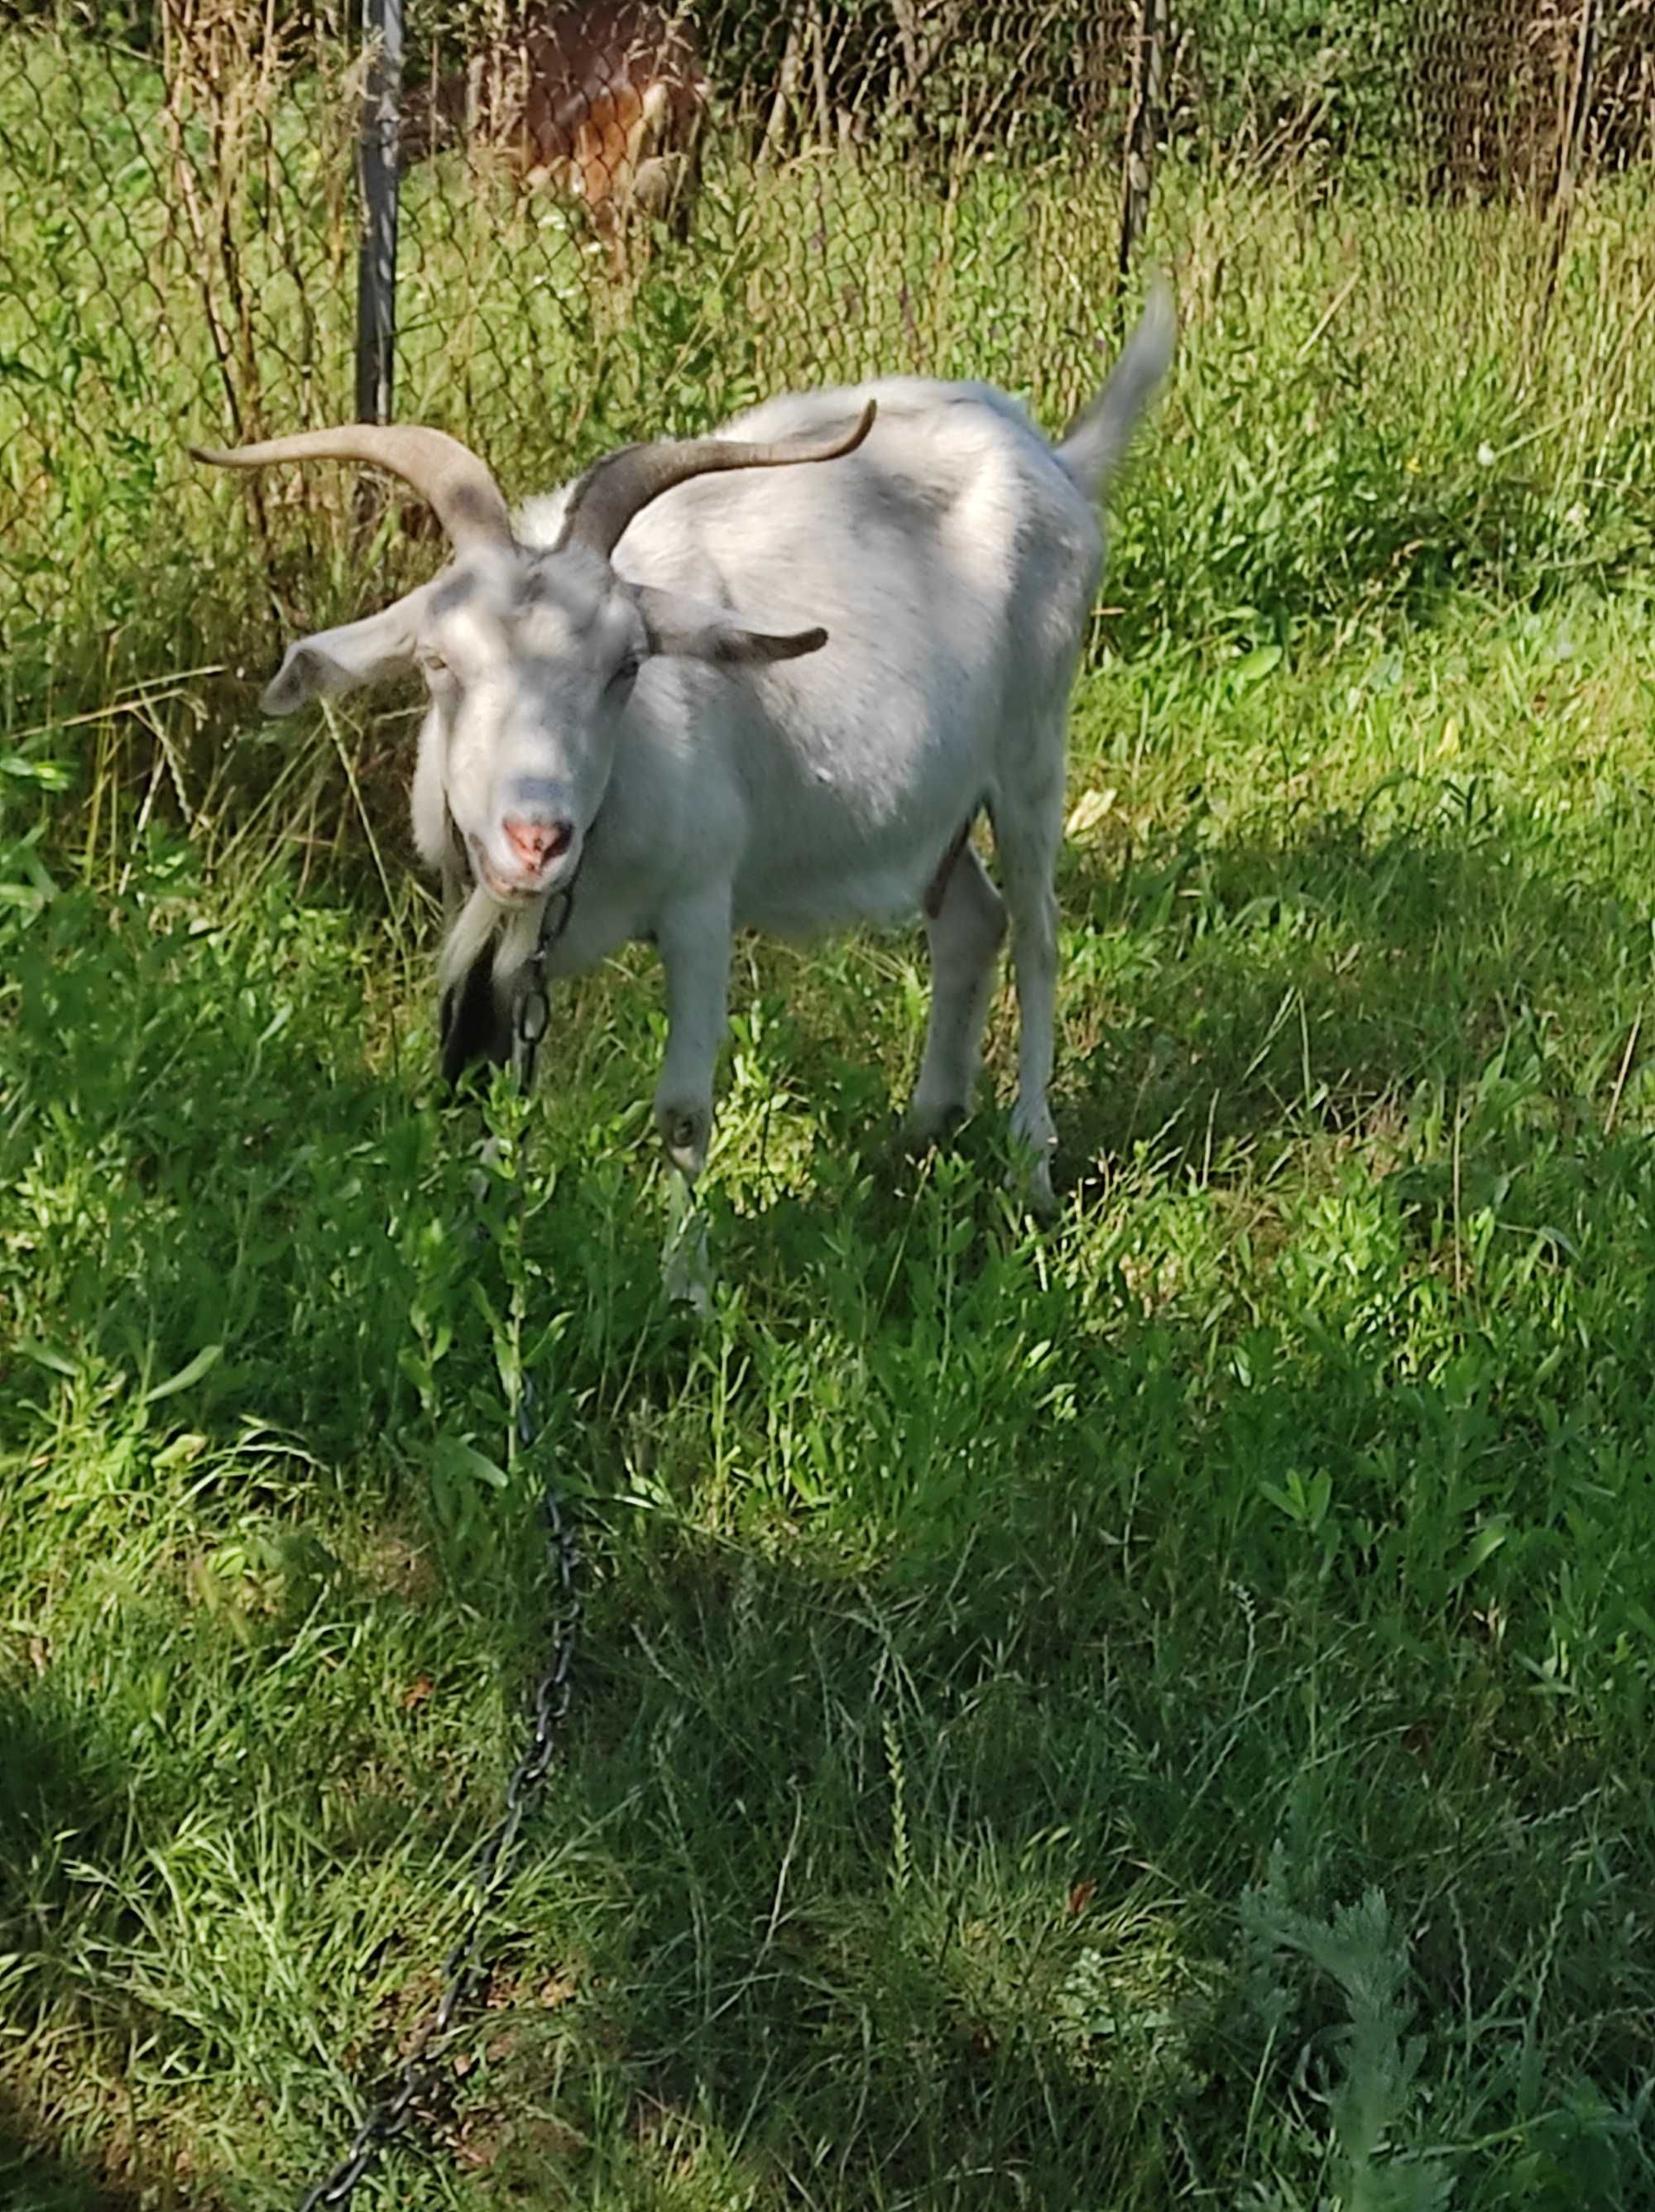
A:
(620, 693)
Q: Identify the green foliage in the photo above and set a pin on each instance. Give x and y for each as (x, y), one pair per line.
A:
(1372, 2103)
(1333, 77)
(967, 1603)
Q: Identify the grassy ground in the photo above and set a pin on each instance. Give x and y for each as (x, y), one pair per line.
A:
(1152, 1711)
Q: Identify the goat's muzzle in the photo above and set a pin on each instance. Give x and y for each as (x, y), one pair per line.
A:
(529, 868)
(538, 844)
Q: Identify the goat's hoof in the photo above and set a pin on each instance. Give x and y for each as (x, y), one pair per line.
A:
(691, 1293)
(686, 1132)
(927, 1126)
(1041, 1201)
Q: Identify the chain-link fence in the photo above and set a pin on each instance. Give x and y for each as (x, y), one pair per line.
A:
(620, 217)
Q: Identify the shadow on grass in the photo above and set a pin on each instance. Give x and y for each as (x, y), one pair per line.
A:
(33, 2180)
(946, 1684)
(915, 1880)
(895, 1852)
(919, 1882)
(57, 1794)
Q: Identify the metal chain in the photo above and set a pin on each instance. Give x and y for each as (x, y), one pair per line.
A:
(495, 1865)
(531, 1009)
(496, 1862)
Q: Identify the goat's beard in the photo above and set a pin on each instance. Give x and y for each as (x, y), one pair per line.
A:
(485, 924)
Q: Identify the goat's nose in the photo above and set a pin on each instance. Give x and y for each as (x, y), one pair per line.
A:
(537, 842)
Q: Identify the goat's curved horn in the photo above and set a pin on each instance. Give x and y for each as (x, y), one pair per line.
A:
(611, 492)
(464, 496)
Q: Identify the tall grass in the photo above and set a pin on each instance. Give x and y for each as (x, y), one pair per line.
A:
(1379, 400)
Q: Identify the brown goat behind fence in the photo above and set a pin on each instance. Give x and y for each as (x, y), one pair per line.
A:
(603, 104)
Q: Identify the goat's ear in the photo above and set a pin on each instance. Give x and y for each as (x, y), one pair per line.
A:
(701, 632)
(345, 659)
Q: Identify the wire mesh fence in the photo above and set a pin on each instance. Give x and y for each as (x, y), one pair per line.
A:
(618, 218)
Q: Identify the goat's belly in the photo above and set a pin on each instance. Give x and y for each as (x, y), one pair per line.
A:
(803, 906)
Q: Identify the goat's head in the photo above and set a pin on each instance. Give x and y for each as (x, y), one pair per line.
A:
(529, 654)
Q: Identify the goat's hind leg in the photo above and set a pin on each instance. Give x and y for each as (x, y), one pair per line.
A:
(695, 949)
(964, 934)
(1028, 830)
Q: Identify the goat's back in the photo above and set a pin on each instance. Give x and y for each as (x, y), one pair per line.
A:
(953, 562)
(954, 531)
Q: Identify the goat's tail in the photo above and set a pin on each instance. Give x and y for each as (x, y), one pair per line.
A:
(1091, 447)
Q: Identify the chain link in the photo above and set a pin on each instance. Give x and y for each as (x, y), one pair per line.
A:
(495, 1865)
(531, 1009)
(496, 1862)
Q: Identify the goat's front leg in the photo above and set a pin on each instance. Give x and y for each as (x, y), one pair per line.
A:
(694, 938)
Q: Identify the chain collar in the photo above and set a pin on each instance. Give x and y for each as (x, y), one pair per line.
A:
(531, 1009)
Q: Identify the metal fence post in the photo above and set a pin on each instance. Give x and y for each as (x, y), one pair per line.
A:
(1140, 127)
(1572, 124)
(1572, 129)
(376, 267)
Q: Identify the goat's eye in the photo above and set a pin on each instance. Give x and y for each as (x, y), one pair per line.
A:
(432, 662)
(625, 673)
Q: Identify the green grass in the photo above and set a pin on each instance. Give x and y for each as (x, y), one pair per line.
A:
(1380, 399)
(1012, 1660)
(1151, 1712)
